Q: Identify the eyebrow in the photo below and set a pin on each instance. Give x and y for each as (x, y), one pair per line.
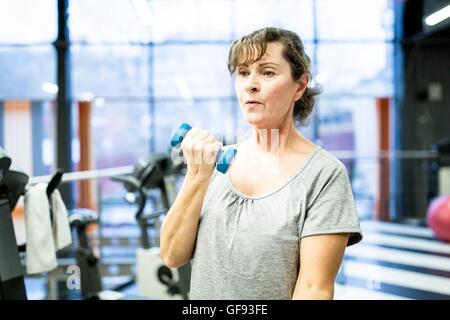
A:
(265, 63)
(261, 64)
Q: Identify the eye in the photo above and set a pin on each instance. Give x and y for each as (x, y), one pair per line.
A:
(243, 73)
(268, 73)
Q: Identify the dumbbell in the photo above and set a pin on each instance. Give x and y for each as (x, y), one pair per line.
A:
(224, 156)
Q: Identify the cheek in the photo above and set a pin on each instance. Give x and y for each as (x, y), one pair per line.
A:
(281, 90)
(239, 89)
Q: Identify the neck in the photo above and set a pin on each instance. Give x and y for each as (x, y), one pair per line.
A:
(275, 140)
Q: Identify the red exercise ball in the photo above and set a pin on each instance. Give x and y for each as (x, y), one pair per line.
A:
(438, 217)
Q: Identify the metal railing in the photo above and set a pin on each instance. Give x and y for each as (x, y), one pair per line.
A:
(84, 175)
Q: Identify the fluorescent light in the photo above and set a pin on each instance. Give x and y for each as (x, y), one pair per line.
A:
(438, 16)
(144, 12)
(49, 88)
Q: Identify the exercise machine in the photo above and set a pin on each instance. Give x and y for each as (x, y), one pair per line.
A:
(153, 278)
(12, 286)
(12, 186)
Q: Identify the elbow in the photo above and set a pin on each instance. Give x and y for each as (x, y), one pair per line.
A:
(322, 292)
(166, 257)
(312, 291)
(171, 255)
(172, 260)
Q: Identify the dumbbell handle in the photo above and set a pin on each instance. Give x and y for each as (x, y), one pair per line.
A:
(179, 134)
(224, 156)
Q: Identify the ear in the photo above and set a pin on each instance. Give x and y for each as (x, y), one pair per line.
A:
(302, 85)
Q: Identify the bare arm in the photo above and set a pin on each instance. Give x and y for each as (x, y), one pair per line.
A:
(179, 229)
(320, 259)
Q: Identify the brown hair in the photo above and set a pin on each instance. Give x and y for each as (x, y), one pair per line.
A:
(252, 47)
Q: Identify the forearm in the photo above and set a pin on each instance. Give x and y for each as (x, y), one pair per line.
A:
(179, 229)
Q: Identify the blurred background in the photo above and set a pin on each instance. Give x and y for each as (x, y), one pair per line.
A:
(94, 86)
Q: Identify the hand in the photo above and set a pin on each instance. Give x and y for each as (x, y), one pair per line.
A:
(200, 149)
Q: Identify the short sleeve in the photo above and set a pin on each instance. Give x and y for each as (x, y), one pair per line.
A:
(331, 207)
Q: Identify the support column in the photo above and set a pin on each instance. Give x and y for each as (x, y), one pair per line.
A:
(64, 103)
(87, 187)
(382, 203)
(2, 125)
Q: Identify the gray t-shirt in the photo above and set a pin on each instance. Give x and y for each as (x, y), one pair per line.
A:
(248, 247)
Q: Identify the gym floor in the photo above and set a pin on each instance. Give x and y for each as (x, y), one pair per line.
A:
(396, 262)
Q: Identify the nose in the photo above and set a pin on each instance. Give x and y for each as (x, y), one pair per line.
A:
(252, 84)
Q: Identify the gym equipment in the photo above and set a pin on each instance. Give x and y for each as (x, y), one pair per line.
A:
(224, 157)
(5, 163)
(153, 278)
(438, 217)
(12, 285)
(12, 186)
(87, 261)
(438, 168)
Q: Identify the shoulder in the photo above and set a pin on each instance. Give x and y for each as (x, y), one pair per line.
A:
(326, 163)
(326, 179)
(324, 172)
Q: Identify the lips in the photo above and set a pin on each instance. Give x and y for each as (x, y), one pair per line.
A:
(252, 102)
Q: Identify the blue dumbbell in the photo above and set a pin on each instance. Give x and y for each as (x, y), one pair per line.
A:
(224, 156)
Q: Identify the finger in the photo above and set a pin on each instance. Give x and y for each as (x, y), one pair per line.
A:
(190, 134)
(186, 144)
(195, 132)
(201, 135)
(218, 145)
(213, 150)
(197, 152)
(209, 156)
(209, 139)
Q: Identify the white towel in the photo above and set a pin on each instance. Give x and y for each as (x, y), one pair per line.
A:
(43, 239)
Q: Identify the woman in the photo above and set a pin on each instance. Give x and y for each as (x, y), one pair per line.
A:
(277, 224)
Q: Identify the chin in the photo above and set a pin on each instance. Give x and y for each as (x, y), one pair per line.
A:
(252, 118)
(256, 121)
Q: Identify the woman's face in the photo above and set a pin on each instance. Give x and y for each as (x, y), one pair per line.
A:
(266, 90)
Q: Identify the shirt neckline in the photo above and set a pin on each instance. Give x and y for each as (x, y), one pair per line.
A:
(297, 172)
